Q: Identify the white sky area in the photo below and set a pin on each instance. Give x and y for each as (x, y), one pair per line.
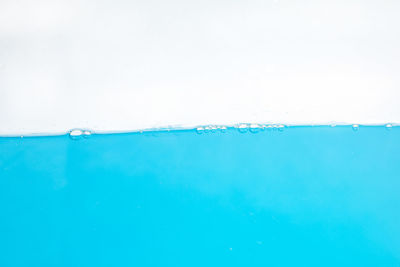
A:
(121, 65)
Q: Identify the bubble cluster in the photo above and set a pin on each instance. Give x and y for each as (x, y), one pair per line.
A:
(255, 127)
(76, 134)
(268, 127)
(211, 129)
(274, 127)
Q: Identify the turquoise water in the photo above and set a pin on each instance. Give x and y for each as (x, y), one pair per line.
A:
(298, 196)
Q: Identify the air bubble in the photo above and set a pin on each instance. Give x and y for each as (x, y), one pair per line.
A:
(243, 128)
(213, 129)
(255, 128)
(200, 130)
(223, 129)
(268, 127)
(77, 134)
(280, 127)
(388, 126)
(356, 127)
(87, 133)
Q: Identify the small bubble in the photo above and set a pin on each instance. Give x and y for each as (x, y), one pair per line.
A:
(22, 136)
(87, 133)
(213, 129)
(75, 134)
(200, 130)
(356, 127)
(259, 242)
(255, 128)
(333, 125)
(230, 249)
(280, 127)
(243, 128)
(207, 129)
(388, 126)
(268, 127)
(223, 129)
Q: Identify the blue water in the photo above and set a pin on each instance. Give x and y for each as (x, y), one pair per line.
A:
(304, 196)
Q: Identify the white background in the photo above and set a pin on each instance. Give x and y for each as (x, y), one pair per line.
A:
(120, 65)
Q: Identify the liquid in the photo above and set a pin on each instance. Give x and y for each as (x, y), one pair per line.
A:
(269, 196)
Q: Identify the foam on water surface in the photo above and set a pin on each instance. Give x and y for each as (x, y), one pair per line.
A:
(249, 195)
